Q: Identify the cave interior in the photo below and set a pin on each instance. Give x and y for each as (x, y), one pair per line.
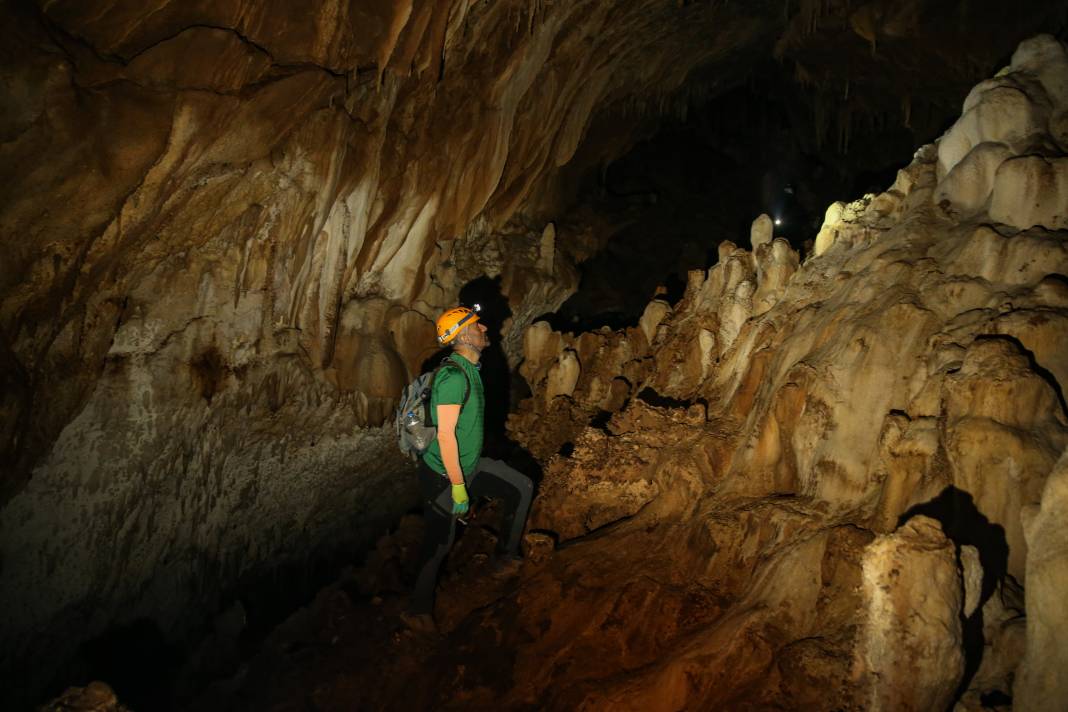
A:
(783, 459)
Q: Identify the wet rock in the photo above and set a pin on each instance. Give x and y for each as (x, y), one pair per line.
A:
(994, 397)
(654, 314)
(910, 656)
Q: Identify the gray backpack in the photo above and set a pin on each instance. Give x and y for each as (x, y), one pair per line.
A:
(415, 428)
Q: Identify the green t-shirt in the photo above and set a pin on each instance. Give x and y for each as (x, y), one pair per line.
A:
(449, 387)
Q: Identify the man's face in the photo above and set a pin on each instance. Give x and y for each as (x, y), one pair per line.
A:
(475, 336)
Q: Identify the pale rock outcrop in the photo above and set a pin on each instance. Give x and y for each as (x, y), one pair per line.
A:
(828, 231)
(1001, 158)
(776, 263)
(1042, 682)
(1005, 428)
(563, 376)
(843, 224)
(584, 374)
(909, 657)
(1031, 190)
(761, 231)
(968, 185)
(652, 317)
(972, 576)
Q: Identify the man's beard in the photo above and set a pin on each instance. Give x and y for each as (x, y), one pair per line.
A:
(478, 349)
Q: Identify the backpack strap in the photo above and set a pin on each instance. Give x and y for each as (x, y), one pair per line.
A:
(449, 363)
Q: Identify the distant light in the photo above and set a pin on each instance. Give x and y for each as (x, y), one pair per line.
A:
(778, 221)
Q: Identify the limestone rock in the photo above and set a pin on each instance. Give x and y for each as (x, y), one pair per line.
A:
(776, 264)
(761, 232)
(826, 236)
(1031, 190)
(563, 376)
(1004, 637)
(651, 318)
(997, 157)
(969, 184)
(911, 368)
(1042, 682)
(216, 274)
(990, 401)
(972, 576)
(910, 656)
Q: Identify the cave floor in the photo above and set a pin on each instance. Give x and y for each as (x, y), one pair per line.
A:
(625, 605)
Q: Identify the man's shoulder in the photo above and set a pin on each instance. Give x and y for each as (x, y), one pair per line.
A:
(450, 375)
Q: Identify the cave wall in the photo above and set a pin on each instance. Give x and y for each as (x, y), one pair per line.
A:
(228, 229)
(903, 387)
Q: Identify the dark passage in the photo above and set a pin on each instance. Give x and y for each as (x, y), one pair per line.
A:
(702, 178)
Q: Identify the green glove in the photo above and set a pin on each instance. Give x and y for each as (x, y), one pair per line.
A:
(460, 502)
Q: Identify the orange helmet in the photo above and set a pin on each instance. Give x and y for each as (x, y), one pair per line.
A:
(453, 322)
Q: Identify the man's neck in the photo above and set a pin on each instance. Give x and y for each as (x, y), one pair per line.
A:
(468, 352)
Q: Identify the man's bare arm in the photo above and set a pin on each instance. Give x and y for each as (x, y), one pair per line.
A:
(450, 450)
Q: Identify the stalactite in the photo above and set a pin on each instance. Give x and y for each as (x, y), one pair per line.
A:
(820, 120)
(845, 126)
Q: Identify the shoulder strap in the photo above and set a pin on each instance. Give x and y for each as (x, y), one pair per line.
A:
(449, 363)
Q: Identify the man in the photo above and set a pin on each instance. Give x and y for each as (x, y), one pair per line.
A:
(453, 471)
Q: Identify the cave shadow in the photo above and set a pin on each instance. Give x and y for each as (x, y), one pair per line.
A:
(965, 525)
(137, 662)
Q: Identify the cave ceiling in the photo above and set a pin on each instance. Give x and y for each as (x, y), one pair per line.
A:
(341, 142)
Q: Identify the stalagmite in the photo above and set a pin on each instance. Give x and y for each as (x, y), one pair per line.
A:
(761, 231)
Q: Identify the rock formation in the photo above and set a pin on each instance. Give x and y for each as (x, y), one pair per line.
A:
(914, 366)
(231, 223)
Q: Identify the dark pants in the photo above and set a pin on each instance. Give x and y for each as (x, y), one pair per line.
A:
(491, 478)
